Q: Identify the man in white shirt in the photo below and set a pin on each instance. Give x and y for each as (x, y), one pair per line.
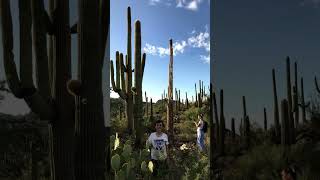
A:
(159, 145)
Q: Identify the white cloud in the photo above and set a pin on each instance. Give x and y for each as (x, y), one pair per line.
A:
(199, 40)
(192, 5)
(205, 59)
(154, 2)
(150, 49)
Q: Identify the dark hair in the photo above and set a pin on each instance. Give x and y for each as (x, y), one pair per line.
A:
(291, 171)
(159, 121)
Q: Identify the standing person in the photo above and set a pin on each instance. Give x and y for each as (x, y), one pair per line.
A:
(200, 132)
(159, 144)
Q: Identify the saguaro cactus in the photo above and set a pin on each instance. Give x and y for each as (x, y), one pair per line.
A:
(146, 109)
(212, 133)
(296, 96)
(139, 63)
(187, 101)
(125, 92)
(151, 110)
(51, 101)
(276, 107)
(265, 119)
(170, 95)
(233, 129)
(216, 117)
(289, 97)
(285, 127)
(222, 126)
(303, 105)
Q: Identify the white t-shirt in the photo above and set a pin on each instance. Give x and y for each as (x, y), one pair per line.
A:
(158, 150)
(201, 125)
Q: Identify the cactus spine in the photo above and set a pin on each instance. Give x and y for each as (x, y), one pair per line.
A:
(276, 108)
(170, 95)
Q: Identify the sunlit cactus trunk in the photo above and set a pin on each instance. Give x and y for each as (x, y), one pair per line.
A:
(139, 64)
(170, 95)
(124, 74)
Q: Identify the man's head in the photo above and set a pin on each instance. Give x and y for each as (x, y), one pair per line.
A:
(288, 174)
(200, 116)
(159, 125)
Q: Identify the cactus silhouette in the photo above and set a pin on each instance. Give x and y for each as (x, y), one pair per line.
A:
(276, 107)
(265, 119)
(303, 105)
(289, 97)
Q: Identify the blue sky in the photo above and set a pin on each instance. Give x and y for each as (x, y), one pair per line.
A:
(187, 22)
(254, 36)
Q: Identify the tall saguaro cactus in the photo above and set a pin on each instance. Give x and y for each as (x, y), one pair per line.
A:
(222, 126)
(285, 127)
(289, 97)
(233, 129)
(296, 96)
(139, 63)
(265, 119)
(303, 105)
(125, 92)
(74, 131)
(170, 95)
(212, 133)
(276, 107)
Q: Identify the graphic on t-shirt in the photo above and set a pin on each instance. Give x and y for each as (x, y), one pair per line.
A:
(159, 144)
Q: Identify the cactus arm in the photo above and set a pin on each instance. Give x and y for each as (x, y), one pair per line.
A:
(143, 65)
(112, 76)
(40, 45)
(8, 56)
(316, 84)
(115, 89)
(48, 23)
(118, 70)
(25, 45)
(123, 82)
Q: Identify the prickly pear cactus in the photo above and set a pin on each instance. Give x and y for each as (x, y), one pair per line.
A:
(126, 163)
